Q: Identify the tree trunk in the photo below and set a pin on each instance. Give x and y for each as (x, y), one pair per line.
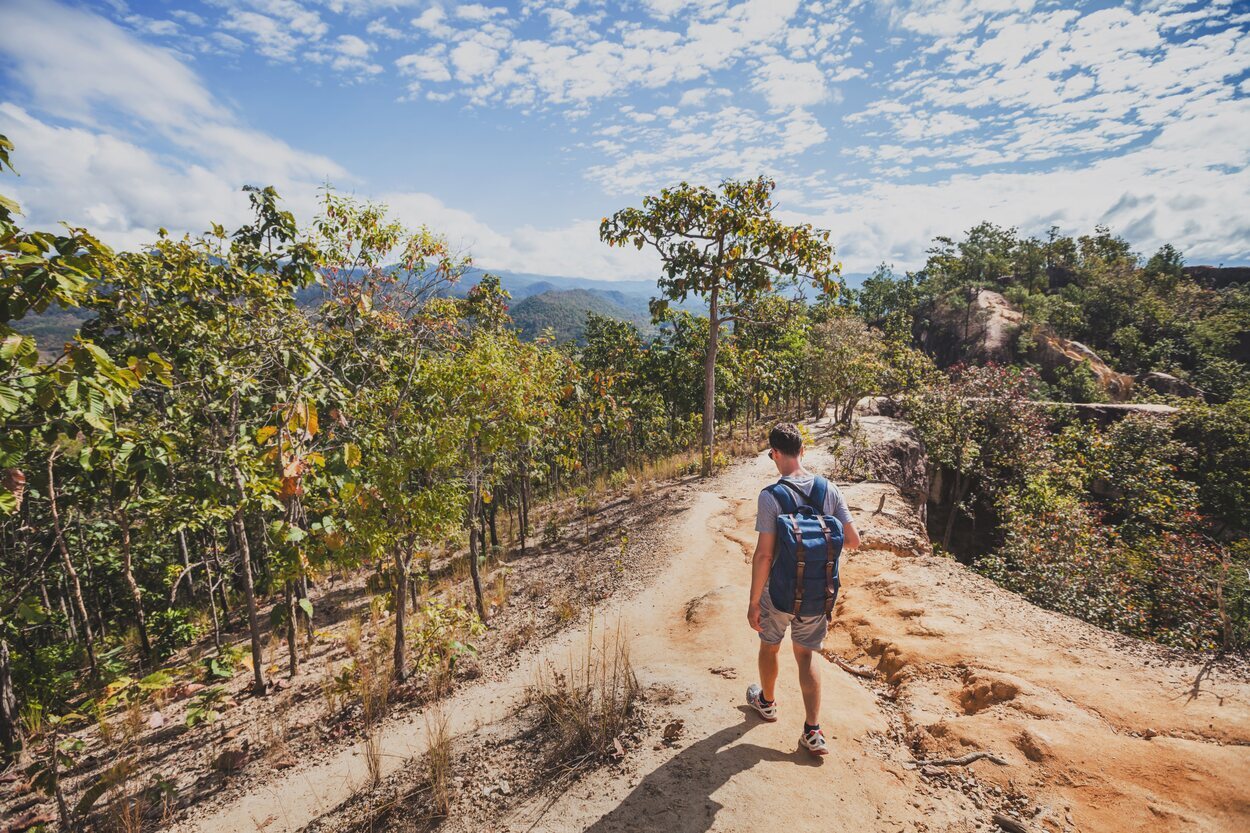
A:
(10, 735)
(525, 507)
(494, 532)
(474, 504)
(123, 522)
(399, 593)
(249, 591)
(70, 572)
(223, 582)
(292, 648)
(186, 564)
(306, 593)
(709, 381)
(212, 605)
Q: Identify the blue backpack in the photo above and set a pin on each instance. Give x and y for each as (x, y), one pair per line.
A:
(804, 576)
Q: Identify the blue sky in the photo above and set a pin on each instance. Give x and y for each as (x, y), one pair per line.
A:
(514, 128)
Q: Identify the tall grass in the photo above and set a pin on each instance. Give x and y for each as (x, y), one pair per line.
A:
(438, 759)
(587, 703)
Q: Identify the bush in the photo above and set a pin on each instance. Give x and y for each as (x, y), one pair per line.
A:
(174, 628)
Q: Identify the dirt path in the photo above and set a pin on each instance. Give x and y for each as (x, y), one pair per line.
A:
(1098, 733)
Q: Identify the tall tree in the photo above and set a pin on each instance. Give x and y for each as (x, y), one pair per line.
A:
(725, 247)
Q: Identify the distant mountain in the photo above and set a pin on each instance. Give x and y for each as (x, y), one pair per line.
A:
(524, 284)
(564, 311)
(565, 308)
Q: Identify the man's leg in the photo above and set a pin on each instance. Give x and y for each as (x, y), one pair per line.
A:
(768, 669)
(809, 681)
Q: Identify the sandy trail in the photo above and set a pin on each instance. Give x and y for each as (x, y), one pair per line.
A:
(1099, 733)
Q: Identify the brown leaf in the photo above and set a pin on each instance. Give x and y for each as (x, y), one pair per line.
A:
(673, 730)
(618, 751)
(30, 819)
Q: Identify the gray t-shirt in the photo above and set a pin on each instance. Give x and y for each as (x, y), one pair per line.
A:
(767, 509)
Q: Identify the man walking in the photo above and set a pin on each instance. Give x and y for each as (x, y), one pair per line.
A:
(807, 633)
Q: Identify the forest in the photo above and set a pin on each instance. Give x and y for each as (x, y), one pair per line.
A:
(205, 451)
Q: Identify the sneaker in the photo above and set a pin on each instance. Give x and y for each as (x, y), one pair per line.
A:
(755, 699)
(814, 742)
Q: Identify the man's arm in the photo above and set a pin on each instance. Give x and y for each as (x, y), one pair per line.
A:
(761, 563)
(850, 536)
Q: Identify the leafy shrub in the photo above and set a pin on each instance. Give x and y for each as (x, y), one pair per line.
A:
(174, 628)
(206, 706)
(440, 636)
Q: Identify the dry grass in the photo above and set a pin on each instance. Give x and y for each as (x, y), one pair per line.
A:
(499, 588)
(438, 759)
(588, 703)
(565, 608)
(371, 678)
(133, 719)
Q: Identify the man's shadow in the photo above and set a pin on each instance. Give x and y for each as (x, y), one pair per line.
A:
(677, 797)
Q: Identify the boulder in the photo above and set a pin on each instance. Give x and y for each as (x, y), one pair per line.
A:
(982, 331)
(896, 455)
(1053, 352)
(1169, 385)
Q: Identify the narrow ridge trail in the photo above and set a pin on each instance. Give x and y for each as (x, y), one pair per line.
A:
(1098, 732)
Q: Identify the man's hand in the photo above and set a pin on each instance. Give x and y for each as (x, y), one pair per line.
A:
(753, 616)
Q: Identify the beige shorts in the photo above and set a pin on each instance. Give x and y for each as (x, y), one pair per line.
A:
(805, 631)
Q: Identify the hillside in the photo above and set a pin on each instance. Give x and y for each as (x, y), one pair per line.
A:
(563, 306)
(928, 663)
(564, 311)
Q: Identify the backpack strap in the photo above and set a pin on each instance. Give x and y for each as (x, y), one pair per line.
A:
(820, 492)
(807, 498)
(800, 564)
(785, 500)
(830, 561)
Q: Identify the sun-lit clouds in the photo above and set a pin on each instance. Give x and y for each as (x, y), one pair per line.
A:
(1152, 195)
(74, 65)
(80, 170)
(424, 67)
(785, 83)
(911, 118)
(702, 147)
(381, 28)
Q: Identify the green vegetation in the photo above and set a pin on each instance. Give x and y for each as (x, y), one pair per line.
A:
(1139, 525)
(561, 314)
(726, 248)
(205, 445)
(209, 443)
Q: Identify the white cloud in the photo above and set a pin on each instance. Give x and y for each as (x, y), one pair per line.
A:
(433, 21)
(380, 28)
(353, 47)
(473, 60)
(703, 147)
(73, 63)
(785, 83)
(272, 38)
(1159, 193)
(425, 67)
(477, 13)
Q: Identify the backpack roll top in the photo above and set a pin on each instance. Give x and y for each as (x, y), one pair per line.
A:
(804, 578)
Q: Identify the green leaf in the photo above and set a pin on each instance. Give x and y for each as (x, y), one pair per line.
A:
(31, 613)
(306, 606)
(13, 344)
(351, 455)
